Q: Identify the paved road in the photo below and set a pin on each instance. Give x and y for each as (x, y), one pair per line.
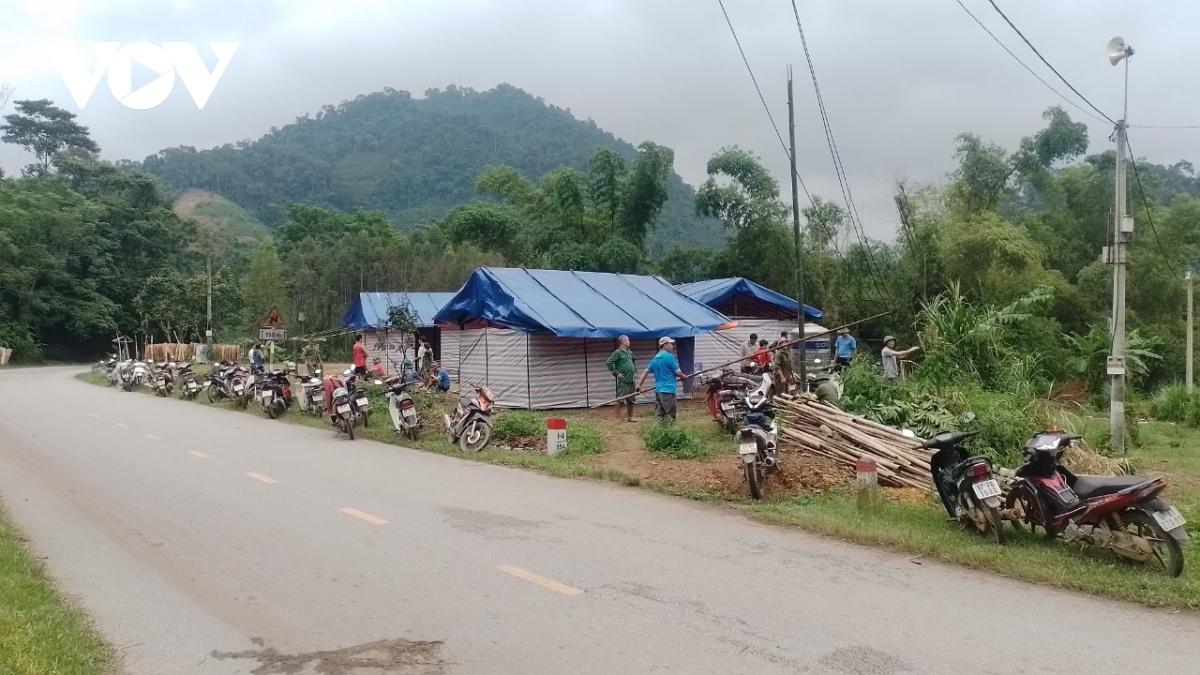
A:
(204, 541)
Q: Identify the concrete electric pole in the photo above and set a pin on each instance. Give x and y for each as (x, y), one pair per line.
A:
(802, 370)
(1189, 331)
(1118, 256)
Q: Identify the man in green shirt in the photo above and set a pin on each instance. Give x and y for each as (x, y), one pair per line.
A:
(312, 358)
(826, 390)
(783, 363)
(622, 365)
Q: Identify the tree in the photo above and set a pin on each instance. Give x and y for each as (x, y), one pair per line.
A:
(644, 192)
(44, 130)
(263, 287)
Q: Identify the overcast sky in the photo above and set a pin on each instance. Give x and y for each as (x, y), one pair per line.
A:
(900, 78)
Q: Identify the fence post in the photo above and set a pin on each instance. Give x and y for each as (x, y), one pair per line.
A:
(868, 483)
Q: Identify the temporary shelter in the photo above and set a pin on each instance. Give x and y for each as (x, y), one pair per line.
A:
(540, 338)
(757, 309)
(369, 314)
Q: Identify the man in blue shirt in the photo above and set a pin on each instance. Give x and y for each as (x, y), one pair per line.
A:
(443, 378)
(844, 347)
(665, 369)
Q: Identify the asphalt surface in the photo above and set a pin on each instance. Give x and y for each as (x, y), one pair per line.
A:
(207, 541)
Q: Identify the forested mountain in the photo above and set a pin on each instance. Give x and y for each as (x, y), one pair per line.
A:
(412, 158)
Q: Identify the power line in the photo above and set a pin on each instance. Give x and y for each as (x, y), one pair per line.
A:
(762, 98)
(839, 168)
(1026, 67)
(1163, 126)
(1052, 68)
(1149, 218)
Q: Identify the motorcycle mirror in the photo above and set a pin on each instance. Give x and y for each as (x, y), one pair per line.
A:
(968, 417)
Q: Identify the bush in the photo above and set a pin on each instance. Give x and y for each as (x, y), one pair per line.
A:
(673, 440)
(511, 425)
(583, 438)
(1174, 403)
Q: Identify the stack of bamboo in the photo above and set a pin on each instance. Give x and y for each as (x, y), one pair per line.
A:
(808, 426)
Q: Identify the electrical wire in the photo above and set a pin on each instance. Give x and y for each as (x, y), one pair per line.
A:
(1048, 65)
(762, 98)
(1149, 217)
(1163, 126)
(1026, 67)
(839, 168)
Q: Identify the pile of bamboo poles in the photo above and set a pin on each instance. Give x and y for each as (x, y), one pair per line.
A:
(808, 426)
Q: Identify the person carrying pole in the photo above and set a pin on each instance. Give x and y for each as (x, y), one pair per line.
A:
(665, 369)
(623, 366)
(891, 358)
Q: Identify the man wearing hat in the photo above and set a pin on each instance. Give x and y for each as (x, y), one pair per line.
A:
(891, 358)
(665, 369)
(844, 347)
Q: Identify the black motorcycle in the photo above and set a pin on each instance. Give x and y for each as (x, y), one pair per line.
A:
(189, 388)
(968, 491)
(471, 425)
(274, 392)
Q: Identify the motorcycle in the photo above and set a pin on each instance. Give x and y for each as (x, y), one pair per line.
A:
(160, 382)
(310, 396)
(343, 412)
(359, 400)
(725, 398)
(757, 447)
(1120, 514)
(218, 386)
(131, 373)
(189, 388)
(968, 491)
(275, 393)
(402, 408)
(471, 425)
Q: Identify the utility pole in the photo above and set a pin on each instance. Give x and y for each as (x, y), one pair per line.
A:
(803, 370)
(1189, 331)
(208, 327)
(1118, 257)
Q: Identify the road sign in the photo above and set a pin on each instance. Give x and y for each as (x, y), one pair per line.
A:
(273, 319)
(272, 334)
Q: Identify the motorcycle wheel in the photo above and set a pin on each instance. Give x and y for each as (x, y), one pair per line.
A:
(1034, 516)
(754, 477)
(348, 428)
(995, 524)
(209, 392)
(411, 433)
(271, 412)
(475, 437)
(1168, 554)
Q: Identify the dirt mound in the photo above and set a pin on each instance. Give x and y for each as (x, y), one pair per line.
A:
(799, 473)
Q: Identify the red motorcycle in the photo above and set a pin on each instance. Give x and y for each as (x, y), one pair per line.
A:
(726, 399)
(1120, 514)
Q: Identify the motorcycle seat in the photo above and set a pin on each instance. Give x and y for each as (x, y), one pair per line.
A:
(1096, 486)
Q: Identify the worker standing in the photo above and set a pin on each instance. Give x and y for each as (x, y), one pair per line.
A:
(748, 349)
(623, 366)
(665, 369)
(360, 356)
(891, 358)
(844, 347)
(783, 362)
(312, 359)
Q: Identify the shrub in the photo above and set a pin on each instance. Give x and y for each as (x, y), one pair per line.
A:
(510, 425)
(584, 438)
(1173, 403)
(673, 440)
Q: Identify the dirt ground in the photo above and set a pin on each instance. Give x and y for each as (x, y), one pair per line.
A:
(799, 473)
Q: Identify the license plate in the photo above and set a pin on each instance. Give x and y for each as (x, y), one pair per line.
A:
(363, 403)
(987, 488)
(237, 387)
(266, 394)
(1169, 520)
(344, 409)
(726, 406)
(748, 448)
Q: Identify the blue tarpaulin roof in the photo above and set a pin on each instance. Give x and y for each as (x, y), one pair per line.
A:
(579, 304)
(370, 310)
(749, 296)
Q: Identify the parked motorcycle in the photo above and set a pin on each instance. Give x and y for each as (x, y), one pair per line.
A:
(310, 396)
(471, 425)
(725, 399)
(343, 412)
(275, 393)
(359, 400)
(968, 491)
(218, 385)
(189, 388)
(1120, 514)
(405, 419)
(757, 436)
(160, 381)
(131, 373)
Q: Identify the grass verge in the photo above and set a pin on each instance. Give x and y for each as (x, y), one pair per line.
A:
(916, 528)
(40, 633)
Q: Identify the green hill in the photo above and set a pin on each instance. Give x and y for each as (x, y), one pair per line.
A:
(215, 212)
(412, 158)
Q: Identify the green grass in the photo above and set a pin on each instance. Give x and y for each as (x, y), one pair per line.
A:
(235, 220)
(40, 634)
(680, 440)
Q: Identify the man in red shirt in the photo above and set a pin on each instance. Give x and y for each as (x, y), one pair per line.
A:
(360, 356)
(762, 357)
